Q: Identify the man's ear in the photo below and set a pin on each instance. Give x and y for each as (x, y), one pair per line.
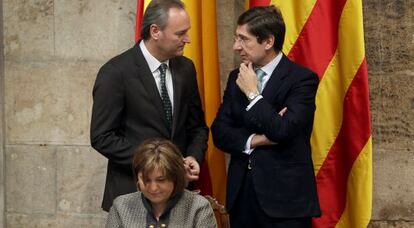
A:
(155, 31)
(269, 42)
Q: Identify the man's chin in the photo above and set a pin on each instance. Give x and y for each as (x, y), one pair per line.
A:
(179, 53)
(175, 54)
(246, 61)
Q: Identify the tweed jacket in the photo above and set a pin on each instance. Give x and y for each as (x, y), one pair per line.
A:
(191, 211)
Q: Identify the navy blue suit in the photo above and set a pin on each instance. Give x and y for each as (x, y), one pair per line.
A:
(282, 175)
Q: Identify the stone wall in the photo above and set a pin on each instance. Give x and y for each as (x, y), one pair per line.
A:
(53, 50)
(2, 199)
(389, 41)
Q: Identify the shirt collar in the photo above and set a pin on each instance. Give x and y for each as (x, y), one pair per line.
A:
(271, 66)
(153, 63)
(170, 204)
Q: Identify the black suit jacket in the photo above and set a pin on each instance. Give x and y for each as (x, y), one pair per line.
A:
(283, 174)
(127, 109)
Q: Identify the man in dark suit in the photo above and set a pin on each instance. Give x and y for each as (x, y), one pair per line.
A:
(265, 123)
(149, 91)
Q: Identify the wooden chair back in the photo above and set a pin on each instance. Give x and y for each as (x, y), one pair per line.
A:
(222, 217)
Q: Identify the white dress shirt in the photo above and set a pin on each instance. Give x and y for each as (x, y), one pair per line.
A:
(268, 69)
(154, 65)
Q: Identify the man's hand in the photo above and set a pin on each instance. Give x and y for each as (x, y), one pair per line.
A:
(262, 140)
(192, 168)
(247, 79)
(283, 111)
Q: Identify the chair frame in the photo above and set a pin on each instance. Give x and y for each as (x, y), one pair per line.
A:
(222, 217)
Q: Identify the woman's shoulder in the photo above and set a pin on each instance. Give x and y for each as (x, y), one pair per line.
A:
(194, 210)
(127, 209)
(194, 198)
(127, 199)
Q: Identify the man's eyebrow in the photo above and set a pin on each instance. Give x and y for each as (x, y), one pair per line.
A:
(182, 31)
(242, 36)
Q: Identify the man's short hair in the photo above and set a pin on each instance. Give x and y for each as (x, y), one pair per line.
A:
(263, 22)
(157, 13)
(161, 155)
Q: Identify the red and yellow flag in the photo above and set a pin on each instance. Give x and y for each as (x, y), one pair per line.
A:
(327, 36)
(203, 51)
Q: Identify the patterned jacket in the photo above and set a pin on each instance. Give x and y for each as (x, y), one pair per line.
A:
(190, 210)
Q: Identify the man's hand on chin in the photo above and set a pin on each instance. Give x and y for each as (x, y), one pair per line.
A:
(247, 79)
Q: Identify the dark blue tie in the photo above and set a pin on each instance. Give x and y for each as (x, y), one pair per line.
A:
(166, 102)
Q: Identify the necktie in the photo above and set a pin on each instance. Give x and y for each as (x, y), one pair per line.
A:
(166, 102)
(260, 75)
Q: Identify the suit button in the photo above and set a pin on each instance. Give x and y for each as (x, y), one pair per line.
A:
(249, 166)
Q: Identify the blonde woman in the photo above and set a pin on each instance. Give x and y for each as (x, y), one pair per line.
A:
(161, 199)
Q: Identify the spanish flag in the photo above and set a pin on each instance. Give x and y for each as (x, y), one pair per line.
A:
(203, 51)
(327, 36)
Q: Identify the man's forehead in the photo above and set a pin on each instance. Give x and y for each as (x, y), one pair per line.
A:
(177, 16)
(242, 30)
(175, 12)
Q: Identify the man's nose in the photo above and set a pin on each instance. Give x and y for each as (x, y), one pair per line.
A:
(237, 46)
(187, 39)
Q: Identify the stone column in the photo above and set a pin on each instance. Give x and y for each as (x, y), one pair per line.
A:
(2, 220)
(227, 14)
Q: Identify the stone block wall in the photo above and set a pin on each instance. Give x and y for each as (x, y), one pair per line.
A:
(51, 177)
(2, 199)
(389, 43)
(53, 50)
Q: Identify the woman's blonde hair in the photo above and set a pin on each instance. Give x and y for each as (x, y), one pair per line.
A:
(161, 155)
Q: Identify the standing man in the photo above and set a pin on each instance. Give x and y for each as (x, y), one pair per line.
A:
(149, 91)
(265, 123)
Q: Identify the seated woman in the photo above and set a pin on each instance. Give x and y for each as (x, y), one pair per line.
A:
(162, 200)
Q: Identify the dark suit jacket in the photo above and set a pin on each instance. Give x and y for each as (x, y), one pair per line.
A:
(127, 109)
(283, 174)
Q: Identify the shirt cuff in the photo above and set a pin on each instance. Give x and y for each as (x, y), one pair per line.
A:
(247, 149)
(253, 102)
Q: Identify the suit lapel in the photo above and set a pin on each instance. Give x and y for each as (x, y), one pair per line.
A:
(177, 87)
(147, 79)
(275, 81)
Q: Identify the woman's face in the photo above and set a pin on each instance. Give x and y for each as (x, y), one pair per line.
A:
(157, 188)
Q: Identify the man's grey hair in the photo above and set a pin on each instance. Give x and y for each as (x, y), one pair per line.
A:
(157, 13)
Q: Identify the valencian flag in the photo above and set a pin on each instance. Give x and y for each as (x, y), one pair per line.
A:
(203, 51)
(327, 37)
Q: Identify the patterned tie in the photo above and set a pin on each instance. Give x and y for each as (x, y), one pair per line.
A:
(166, 102)
(260, 75)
